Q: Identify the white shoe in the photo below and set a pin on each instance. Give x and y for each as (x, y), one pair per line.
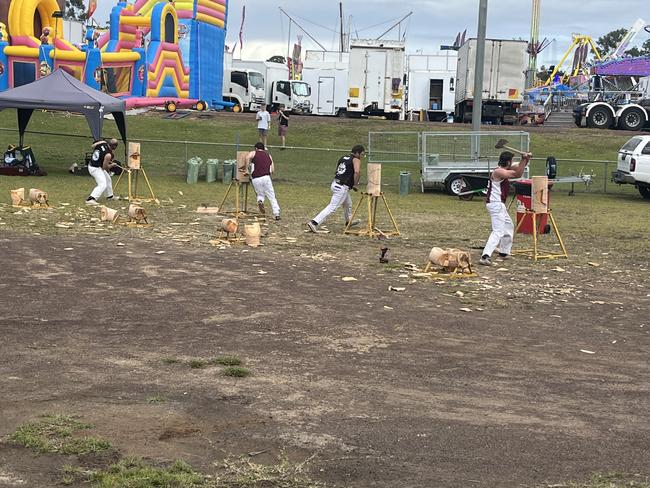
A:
(354, 223)
(91, 201)
(485, 261)
(312, 226)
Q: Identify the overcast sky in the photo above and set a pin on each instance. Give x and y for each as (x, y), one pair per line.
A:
(434, 22)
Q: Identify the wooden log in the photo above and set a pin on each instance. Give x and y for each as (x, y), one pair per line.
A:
(242, 167)
(459, 259)
(373, 186)
(17, 196)
(539, 194)
(37, 196)
(134, 155)
(439, 256)
(230, 226)
(252, 233)
(107, 214)
(137, 213)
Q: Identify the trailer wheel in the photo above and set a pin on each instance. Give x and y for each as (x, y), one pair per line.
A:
(455, 185)
(236, 108)
(600, 118)
(645, 192)
(201, 106)
(631, 119)
(170, 106)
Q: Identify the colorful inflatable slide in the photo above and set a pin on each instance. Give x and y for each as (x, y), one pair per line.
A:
(155, 52)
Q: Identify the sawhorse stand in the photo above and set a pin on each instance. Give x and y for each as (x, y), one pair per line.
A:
(371, 230)
(133, 175)
(241, 198)
(534, 252)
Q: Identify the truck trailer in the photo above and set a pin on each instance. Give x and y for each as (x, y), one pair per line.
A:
(326, 73)
(430, 84)
(504, 80)
(376, 78)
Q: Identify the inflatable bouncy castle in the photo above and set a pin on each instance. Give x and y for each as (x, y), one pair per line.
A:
(155, 52)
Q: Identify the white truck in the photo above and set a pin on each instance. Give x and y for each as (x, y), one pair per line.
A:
(376, 78)
(504, 80)
(633, 166)
(430, 84)
(326, 72)
(278, 89)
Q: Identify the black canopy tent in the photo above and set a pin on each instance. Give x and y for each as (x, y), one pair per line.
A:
(62, 91)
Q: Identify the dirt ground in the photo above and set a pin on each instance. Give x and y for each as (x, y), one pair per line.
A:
(494, 386)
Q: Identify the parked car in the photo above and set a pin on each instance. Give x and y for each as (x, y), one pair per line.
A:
(633, 166)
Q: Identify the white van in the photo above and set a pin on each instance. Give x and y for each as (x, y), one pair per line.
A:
(634, 165)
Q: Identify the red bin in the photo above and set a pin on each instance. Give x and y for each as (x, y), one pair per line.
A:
(524, 202)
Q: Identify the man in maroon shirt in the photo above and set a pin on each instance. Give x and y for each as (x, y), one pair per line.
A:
(260, 168)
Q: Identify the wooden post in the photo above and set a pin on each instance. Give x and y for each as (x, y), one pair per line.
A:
(134, 155)
(539, 195)
(242, 167)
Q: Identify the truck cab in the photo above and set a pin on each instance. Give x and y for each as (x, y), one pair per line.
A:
(293, 94)
(633, 166)
(244, 88)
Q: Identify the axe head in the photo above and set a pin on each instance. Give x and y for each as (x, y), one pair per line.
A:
(501, 143)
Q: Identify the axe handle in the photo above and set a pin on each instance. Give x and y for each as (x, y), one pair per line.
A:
(517, 151)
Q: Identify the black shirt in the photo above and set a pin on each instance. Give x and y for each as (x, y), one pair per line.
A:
(345, 171)
(284, 120)
(100, 150)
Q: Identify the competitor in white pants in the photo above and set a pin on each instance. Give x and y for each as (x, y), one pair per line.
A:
(100, 162)
(348, 172)
(497, 193)
(261, 167)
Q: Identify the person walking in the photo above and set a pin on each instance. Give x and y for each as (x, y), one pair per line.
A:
(261, 168)
(283, 126)
(263, 124)
(348, 172)
(497, 193)
(101, 161)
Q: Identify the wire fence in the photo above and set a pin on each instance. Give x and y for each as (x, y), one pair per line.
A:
(297, 165)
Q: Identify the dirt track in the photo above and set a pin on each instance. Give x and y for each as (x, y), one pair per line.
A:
(384, 388)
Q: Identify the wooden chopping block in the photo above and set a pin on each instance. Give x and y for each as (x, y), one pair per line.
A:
(17, 196)
(107, 214)
(137, 213)
(252, 234)
(230, 226)
(37, 196)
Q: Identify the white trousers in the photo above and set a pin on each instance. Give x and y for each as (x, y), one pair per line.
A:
(103, 180)
(340, 196)
(264, 188)
(502, 229)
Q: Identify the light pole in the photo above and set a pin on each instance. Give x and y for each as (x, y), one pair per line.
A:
(56, 15)
(477, 108)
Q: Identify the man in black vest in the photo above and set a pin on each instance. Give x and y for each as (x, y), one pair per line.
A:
(260, 168)
(99, 165)
(348, 172)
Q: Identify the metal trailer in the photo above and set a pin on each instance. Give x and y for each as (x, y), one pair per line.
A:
(504, 80)
(327, 74)
(447, 156)
(430, 84)
(376, 78)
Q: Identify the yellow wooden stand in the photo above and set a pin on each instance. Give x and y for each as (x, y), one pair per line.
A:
(370, 229)
(240, 200)
(535, 252)
(133, 170)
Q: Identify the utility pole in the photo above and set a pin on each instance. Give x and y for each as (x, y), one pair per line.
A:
(533, 46)
(341, 25)
(477, 108)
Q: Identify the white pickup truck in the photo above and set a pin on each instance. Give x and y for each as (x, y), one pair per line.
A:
(634, 165)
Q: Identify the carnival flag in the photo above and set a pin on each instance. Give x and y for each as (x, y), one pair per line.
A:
(92, 5)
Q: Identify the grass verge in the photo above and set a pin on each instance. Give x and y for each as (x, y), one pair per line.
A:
(57, 434)
(236, 371)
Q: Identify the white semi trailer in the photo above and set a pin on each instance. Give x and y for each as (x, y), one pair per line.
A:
(504, 80)
(376, 78)
(430, 84)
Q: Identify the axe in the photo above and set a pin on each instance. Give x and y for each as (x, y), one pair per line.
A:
(502, 143)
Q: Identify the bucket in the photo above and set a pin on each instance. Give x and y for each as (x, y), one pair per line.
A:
(228, 171)
(252, 232)
(38, 196)
(230, 225)
(211, 166)
(107, 214)
(193, 166)
(17, 196)
(404, 183)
